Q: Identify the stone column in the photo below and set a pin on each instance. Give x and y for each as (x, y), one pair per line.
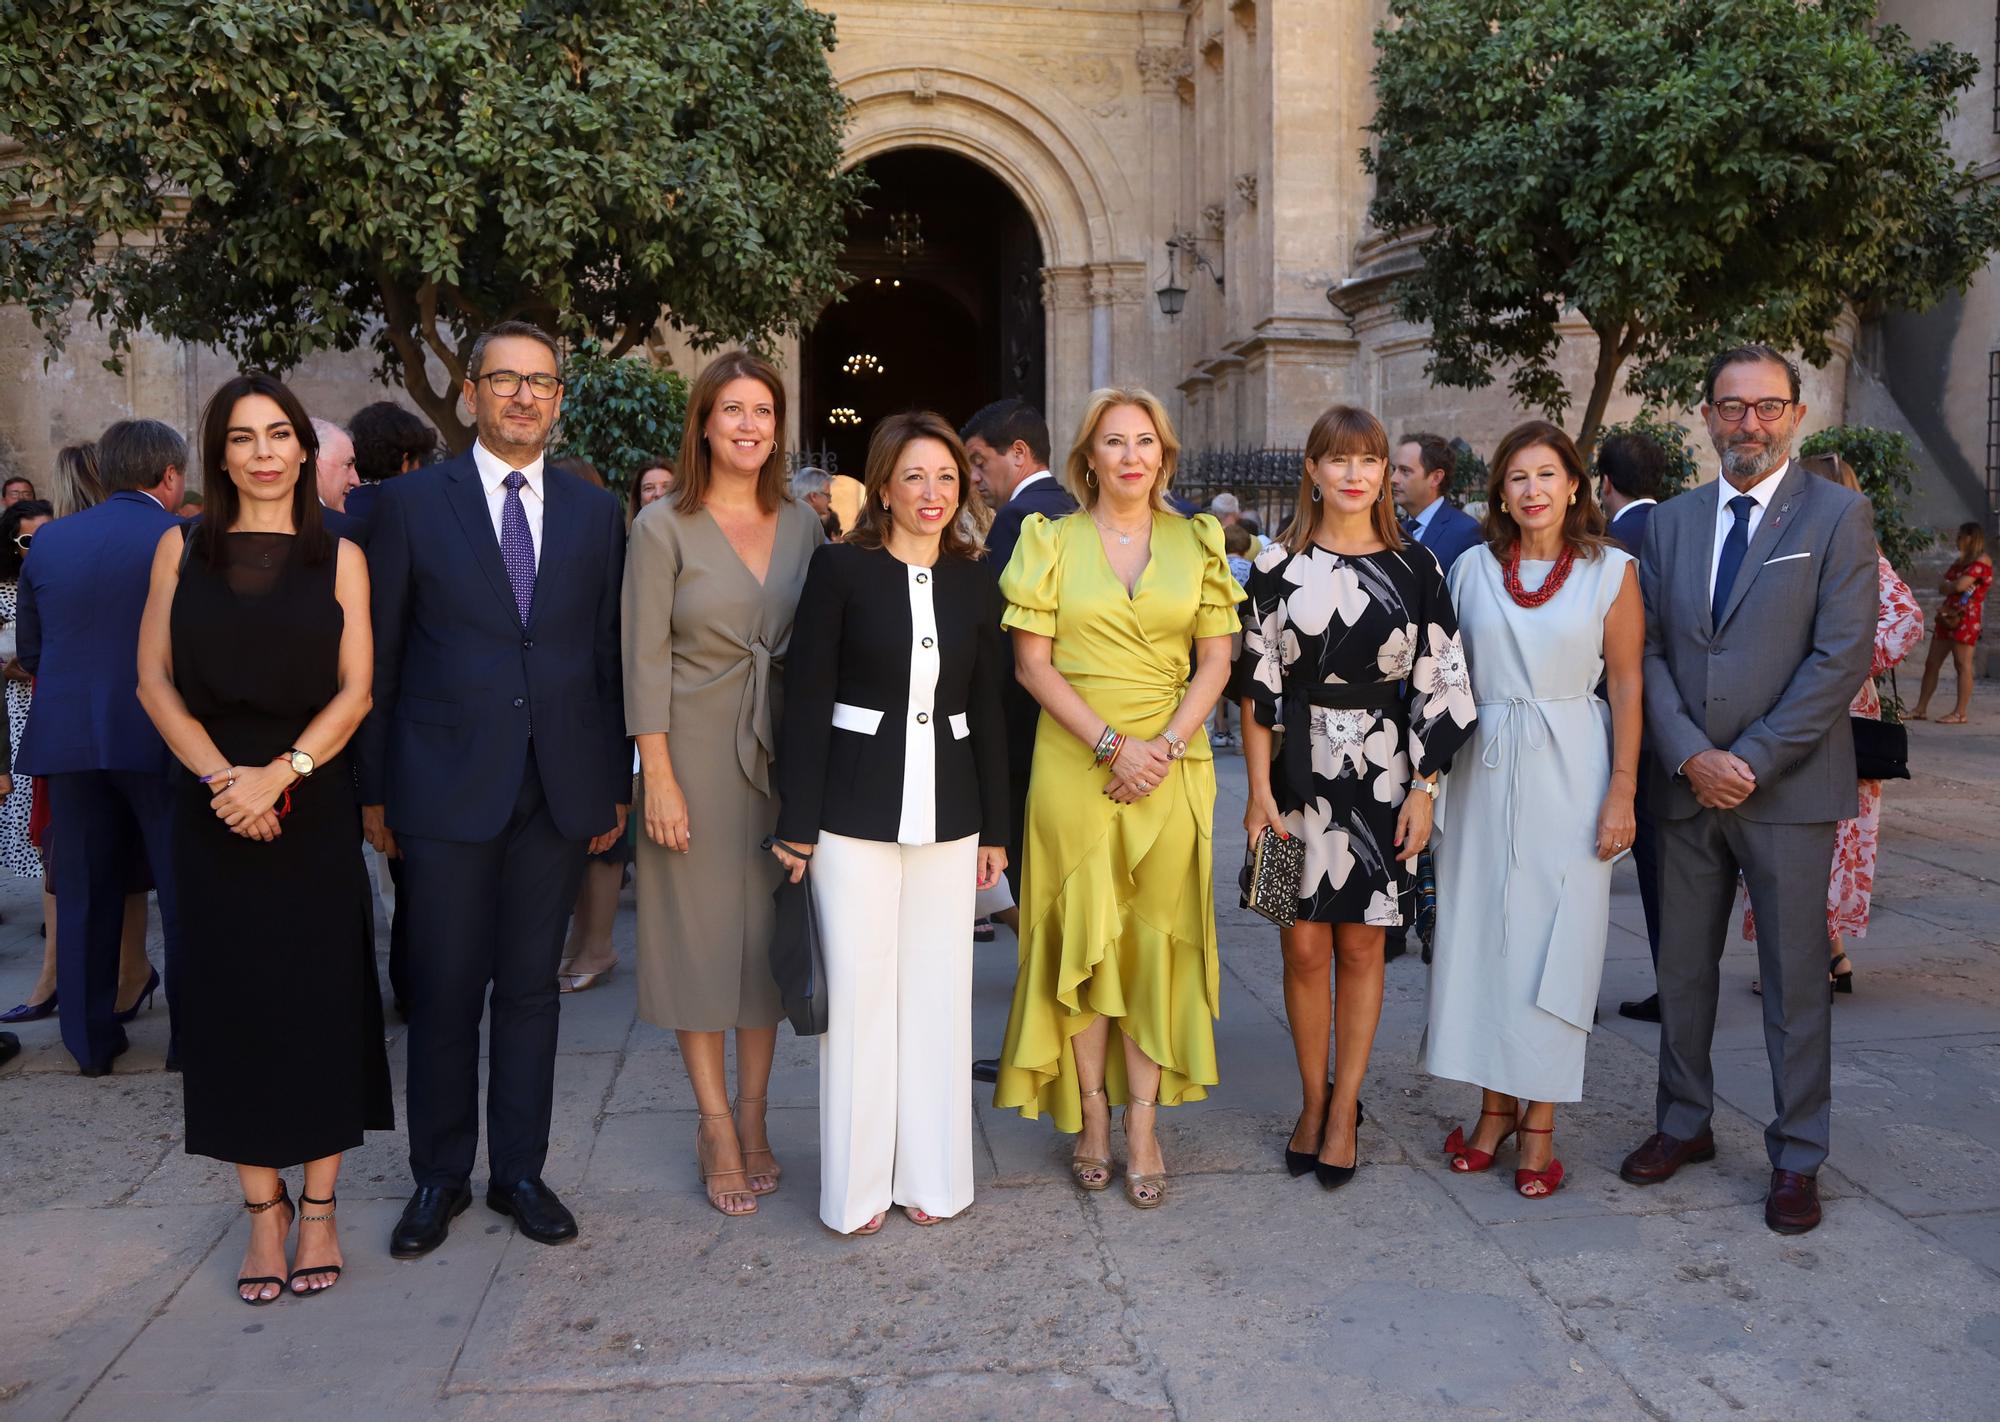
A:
(1066, 305)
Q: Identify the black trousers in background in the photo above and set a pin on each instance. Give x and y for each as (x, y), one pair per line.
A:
(1646, 863)
(399, 937)
(485, 915)
(103, 824)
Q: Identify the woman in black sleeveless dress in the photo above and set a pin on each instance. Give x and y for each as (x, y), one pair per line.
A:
(255, 664)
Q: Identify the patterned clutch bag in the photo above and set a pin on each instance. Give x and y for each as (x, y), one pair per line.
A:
(1272, 872)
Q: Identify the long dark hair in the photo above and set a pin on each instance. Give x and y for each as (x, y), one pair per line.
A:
(885, 451)
(692, 475)
(224, 503)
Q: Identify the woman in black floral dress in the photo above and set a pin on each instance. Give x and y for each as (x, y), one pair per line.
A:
(1349, 643)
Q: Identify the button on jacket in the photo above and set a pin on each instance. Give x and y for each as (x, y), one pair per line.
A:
(893, 728)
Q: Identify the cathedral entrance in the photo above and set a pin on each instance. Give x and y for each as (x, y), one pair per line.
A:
(944, 311)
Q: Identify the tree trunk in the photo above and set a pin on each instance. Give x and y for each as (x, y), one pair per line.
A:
(1614, 343)
(401, 316)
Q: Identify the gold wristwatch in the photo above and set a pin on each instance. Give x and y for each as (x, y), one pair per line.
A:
(1176, 747)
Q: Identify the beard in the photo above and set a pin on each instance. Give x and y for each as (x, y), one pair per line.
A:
(1752, 458)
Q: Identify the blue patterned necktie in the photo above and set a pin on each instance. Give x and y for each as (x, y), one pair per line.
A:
(517, 545)
(1733, 548)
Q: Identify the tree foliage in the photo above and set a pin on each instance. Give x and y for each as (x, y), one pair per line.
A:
(1684, 174)
(620, 413)
(1881, 460)
(277, 177)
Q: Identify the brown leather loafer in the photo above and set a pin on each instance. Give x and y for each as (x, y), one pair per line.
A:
(1662, 1155)
(1792, 1207)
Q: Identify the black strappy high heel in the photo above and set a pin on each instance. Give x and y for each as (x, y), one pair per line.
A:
(283, 1197)
(292, 1279)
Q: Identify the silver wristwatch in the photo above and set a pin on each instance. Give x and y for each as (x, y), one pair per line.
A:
(1429, 787)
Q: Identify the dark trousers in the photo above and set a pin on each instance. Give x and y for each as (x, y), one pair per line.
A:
(486, 915)
(1784, 867)
(399, 938)
(104, 824)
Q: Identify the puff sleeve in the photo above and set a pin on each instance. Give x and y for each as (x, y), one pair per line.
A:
(1033, 578)
(1220, 592)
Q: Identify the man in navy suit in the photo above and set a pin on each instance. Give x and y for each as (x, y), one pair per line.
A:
(494, 761)
(1007, 445)
(101, 761)
(1418, 476)
(1632, 471)
(389, 441)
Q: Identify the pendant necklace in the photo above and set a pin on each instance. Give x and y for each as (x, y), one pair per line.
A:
(1123, 538)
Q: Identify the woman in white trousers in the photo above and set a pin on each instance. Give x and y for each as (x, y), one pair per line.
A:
(892, 777)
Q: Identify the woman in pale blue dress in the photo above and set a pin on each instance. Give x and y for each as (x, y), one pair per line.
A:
(1538, 807)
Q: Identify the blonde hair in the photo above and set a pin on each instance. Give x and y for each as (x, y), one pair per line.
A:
(1350, 431)
(1077, 478)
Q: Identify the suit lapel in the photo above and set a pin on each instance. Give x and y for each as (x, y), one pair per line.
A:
(1777, 518)
(561, 521)
(468, 501)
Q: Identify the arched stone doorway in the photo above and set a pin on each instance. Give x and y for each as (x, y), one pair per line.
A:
(945, 310)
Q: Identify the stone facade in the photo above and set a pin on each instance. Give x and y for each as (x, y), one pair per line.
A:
(1232, 128)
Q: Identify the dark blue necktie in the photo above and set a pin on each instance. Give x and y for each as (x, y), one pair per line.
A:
(1409, 528)
(517, 545)
(1733, 547)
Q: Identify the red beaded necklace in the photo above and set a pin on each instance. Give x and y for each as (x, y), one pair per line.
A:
(1551, 585)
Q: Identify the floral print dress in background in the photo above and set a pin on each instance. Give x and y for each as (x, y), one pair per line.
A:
(1899, 626)
(1359, 659)
(1960, 614)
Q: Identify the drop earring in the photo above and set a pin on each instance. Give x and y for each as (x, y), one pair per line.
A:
(1315, 493)
(1572, 498)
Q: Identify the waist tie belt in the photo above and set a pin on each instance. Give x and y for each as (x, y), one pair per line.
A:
(1520, 718)
(1295, 755)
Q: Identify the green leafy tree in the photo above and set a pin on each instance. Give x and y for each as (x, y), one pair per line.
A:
(1682, 174)
(278, 177)
(1683, 470)
(1881, 460)
(620, 413)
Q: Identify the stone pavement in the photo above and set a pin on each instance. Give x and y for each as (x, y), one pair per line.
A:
(1409, 1294)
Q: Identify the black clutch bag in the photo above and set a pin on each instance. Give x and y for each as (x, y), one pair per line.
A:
(798, 962)
(1273, 869)
(1881, 749)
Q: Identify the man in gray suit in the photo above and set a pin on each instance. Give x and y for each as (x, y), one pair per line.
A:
(1760, 624)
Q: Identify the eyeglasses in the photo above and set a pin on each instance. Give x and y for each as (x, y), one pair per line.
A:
(505, 383)
(22, 540)
(1731, 412)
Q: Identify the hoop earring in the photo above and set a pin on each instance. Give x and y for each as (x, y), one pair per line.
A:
(1315, 493)
(1090, 476)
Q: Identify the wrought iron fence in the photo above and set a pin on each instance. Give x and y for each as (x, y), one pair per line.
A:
(827, 459)
(1264, 481)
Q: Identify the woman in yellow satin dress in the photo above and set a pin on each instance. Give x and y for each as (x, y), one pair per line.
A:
(1117, 904)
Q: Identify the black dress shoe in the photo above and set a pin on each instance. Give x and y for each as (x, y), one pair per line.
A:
(536, 1211)
(1646, 1009)
(986, 1069)
(427, 1219)
(10, 1047)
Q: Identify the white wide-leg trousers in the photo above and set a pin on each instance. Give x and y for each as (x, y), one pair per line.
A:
(895, 1065)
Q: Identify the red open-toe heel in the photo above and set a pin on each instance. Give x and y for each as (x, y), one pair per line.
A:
(1536, 1184)
(1468, 1161)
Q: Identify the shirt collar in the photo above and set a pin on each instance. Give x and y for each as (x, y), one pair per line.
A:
(1423, 520)
(1763, 491)
(1038, 474)
(1634, 504)
(493, 470)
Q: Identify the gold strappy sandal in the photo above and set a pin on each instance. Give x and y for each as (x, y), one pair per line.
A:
(1138, 1186)
(1081, 1166)
(776, 1172)
(716, 1196)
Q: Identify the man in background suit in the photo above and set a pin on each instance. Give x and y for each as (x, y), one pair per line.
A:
(1631, 472)
(1418, 475)
(389, 441)
(1007, 445)
(102, 763)
(337, 480)
(495, 760)
(1760, 595)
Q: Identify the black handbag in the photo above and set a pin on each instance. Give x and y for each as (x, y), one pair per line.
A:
(1881, 748)
(798, 961)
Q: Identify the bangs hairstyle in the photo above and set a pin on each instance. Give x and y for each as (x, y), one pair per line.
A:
(1351, 431)
(224, 502)
(1076, 468)
(1583, 521)
(885, 455)
(696, 469)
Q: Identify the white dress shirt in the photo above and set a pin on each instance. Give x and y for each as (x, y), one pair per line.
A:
(1763, 491)
(493, 472)
(1423, 520)
(1038, 474)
